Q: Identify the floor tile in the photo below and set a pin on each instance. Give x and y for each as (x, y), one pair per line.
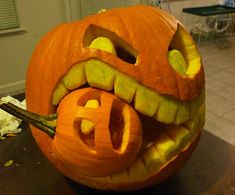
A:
(209, 69)
(224, 76)
(227, 93)
(232, 67)
(217, 104)
(230, 116)
(222, 128)
(219, 65)
(214, 85)
(210, 116)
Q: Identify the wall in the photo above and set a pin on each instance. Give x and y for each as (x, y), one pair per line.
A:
(37, 17)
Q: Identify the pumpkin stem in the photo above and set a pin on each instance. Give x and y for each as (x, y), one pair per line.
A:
(45, 123)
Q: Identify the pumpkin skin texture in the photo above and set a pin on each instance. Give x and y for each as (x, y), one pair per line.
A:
(150, 67)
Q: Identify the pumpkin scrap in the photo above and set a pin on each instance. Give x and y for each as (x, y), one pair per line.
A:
(8, 163)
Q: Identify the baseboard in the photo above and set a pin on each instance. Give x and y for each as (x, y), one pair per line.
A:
(12, 88)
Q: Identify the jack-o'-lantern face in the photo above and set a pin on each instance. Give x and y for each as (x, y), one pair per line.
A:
(128, 88)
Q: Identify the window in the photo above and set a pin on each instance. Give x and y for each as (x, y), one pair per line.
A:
(78, 9)
(8, 15)
(89, 7)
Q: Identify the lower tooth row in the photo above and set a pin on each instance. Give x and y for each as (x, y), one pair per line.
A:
(169, 143)
(146, 101)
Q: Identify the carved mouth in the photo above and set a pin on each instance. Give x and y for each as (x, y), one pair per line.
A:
(169, 125)
(100, 75)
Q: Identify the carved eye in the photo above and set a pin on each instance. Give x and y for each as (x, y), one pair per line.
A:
(183, 55)
(104, 44)
(103, 39)
(176, 60)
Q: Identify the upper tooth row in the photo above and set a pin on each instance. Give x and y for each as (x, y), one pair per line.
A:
(148, 102)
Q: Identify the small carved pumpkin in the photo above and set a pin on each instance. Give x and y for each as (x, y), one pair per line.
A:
(109, 145)
(128, 87)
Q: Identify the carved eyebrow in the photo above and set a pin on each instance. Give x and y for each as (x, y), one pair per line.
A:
(123, 50)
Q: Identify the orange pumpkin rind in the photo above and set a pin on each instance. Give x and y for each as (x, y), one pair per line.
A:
(150, 64)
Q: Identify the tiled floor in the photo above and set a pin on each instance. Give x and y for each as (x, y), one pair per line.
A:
(219, 64)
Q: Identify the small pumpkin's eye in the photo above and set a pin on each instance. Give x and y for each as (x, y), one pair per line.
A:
(86, 125)
(117, 125)
(103, 39)
(176, 60)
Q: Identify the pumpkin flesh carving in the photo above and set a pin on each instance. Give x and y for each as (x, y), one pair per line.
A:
(169, 98)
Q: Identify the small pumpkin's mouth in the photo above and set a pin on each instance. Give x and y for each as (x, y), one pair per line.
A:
(169, 125)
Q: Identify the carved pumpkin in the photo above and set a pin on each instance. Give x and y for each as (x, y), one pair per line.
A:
(128, 87)
(111, 144)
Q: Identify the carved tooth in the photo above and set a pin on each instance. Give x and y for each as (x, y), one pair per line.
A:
(138, 170)
(59, 92)
(183, 113)
(121, 176)
(125, 87)
(165, 146)
(197, 103)
(179, 134)
(152, 159)
(197, 123)
(75, 77)
(166, 110)
(99, 74)
(187, 110)
(146, 101)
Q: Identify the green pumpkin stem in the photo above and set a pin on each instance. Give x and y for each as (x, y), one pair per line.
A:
(45, 123)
